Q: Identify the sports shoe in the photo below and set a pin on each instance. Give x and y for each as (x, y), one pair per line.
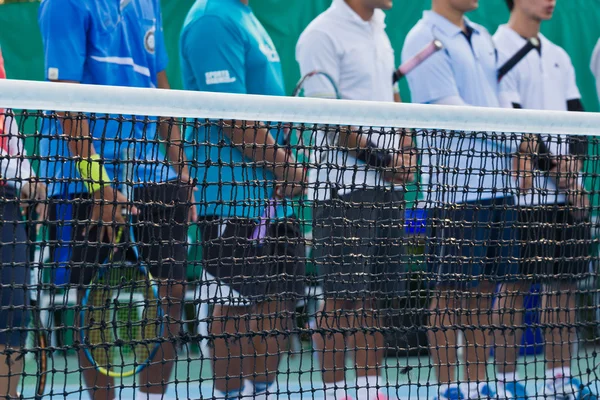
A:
(512, 391)
(568, 389)
(452, 393)
(483, 392)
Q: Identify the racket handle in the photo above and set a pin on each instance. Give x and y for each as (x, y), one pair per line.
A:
(414, 62)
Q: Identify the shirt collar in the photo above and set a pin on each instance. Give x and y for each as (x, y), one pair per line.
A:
(521, 40)
(343, 10)
(444, 25)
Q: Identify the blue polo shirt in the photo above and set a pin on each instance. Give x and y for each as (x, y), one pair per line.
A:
(224, 48)
(103, 43)
(476, 168)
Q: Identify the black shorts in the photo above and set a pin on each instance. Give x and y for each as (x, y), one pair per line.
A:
(243, 271)
(555, 245)
(358, 245)
(160, 231)
(473, 242)
(14, 314)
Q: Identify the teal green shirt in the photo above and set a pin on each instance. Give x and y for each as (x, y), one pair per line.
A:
(224, 48)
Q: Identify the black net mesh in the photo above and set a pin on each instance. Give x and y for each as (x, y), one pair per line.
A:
(245, 259)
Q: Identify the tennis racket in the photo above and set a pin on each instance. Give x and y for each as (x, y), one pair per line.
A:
(417, 60)
(531, 44)
(121, 314)
(299, 89)
(39, 331)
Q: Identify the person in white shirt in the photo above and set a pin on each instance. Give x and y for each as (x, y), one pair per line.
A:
(595, 66)
(470, 193)
(357, 188)
(553, 226)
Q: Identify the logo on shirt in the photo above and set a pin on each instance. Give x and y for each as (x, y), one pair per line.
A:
(217, 77)
(149, 40)
(268, 49)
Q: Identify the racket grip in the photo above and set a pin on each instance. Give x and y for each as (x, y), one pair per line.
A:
(260, 232)
(414, 62)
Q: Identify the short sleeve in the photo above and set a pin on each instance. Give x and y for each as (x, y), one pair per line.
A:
(162, 57)
(63, 24)
(316, 51)
(213, 52)
(434, 79)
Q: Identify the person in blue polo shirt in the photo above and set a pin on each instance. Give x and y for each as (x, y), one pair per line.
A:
(224, 48)
(470, 191)
(121, 44)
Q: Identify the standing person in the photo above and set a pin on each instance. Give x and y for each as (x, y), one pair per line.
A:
(17, 179)
(552, 206)
(224, 48)
(91, 42)
(352, 186)
(469, 183)
(595, 66)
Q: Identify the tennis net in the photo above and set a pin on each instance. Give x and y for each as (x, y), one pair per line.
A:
(340, 249)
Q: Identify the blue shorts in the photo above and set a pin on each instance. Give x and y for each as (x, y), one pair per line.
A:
(14, 316)
(473, 242)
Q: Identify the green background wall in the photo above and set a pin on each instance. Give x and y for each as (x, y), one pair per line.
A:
(576, 27)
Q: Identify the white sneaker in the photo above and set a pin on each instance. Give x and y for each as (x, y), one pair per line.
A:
(567, 389)
(452, 393)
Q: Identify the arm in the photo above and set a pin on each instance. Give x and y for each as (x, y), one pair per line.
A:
(64, 26)
(226, 53)
(434, 80)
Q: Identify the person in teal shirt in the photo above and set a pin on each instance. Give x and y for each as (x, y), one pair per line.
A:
(224, 48)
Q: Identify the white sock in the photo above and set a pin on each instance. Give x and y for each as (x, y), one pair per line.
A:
(474, 389)
(367, 387)
(149, 396)
(557, 377)
(507, 377)
(335, 391)
(232, 394)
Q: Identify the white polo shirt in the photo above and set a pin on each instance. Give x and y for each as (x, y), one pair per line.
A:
(595, 66)
(358, 56)
(461, 168)
(543, 81)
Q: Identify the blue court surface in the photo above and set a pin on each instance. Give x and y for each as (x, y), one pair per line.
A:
(407, 378)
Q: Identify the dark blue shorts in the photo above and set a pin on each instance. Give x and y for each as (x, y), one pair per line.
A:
(14, 315)
(473, 242)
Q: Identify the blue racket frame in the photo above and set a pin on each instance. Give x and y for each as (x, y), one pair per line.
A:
(144, 270)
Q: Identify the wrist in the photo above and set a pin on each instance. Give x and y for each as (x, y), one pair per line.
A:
(374, 156)
(94, 174)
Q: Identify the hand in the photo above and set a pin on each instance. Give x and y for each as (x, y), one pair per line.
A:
(579, 203)
(107, 210)
(525, 182)
(294, 181)
(401, 169)
(193, 211)
(36, 191)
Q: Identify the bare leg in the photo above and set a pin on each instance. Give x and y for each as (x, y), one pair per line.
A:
(155, 378)
(369, 346)
(558, 311)
(477, 344)
(100, 385)
(262, 363)
(331, 341)
(508, 315)
(229, 326)
(443, 323)
(11, 369)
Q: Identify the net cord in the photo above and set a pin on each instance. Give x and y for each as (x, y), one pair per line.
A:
(188, 104)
